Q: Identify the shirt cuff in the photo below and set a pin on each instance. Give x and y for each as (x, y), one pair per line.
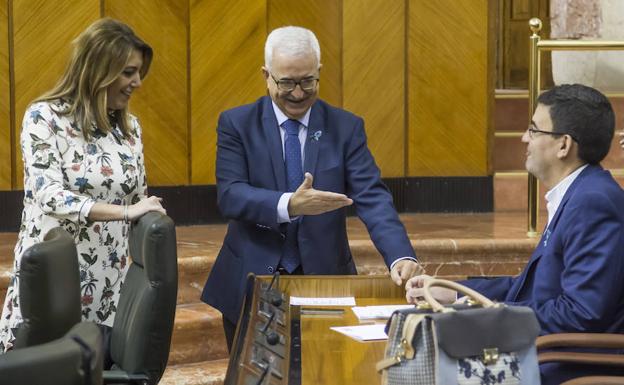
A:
(402, 259)
(282, 208)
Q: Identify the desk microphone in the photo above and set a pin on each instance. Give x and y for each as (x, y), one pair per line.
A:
(275, 279)
(264, 373)
(273, 295)
(272, 338)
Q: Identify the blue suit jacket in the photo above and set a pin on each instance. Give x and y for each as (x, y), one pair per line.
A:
(574, 281)
(251, 178)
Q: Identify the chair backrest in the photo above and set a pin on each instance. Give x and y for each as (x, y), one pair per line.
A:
(49, 287)
(74, 359)
(143, 325)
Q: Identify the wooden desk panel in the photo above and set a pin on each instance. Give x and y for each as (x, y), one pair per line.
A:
(329, 357)
(359, 286)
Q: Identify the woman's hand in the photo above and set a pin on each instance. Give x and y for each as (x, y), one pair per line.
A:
(144, 206)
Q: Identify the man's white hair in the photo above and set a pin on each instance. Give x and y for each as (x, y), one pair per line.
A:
(292, 41)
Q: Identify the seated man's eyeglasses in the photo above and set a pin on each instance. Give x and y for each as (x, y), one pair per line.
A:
(289, 85)
(534, 130)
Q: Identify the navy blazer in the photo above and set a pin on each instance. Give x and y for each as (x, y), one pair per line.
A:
(574, 281)
(251, 178)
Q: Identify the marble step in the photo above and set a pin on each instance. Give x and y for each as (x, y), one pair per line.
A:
(197, 335)
(450, 256)
(200, 373)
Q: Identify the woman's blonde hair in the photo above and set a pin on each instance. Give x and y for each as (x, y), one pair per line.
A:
(100, 55)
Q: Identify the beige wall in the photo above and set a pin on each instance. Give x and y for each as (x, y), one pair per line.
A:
(418, 71)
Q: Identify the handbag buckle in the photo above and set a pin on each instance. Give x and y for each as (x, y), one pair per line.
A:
(422, 305)
(400, 354)
(471, 302)
(490, 356)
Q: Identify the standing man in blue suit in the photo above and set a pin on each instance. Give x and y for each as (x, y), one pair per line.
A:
(574, 279)
(287, 166)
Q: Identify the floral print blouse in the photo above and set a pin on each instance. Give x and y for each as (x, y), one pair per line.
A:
(64, 176)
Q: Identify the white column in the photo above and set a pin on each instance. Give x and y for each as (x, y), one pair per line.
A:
(588, 20)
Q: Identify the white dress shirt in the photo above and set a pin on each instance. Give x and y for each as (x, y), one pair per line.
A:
(555, 195)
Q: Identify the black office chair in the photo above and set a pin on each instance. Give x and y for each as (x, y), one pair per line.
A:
(74, 359)
(49, 287)
(141, 334)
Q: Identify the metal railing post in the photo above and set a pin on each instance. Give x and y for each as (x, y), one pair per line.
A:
(534, 84)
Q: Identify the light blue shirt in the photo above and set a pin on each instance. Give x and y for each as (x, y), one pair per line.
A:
(282, 204)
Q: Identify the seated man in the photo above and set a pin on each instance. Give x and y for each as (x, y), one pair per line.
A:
(574, 279)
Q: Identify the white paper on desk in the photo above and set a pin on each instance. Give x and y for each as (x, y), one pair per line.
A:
(363, 332)
(328, 301)
(377, 312)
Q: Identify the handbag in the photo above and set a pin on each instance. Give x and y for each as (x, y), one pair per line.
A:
(480, 342)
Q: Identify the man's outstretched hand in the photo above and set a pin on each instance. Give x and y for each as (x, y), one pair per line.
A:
(308, 201)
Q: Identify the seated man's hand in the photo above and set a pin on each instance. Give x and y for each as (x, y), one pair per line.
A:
(308, 201)
(415, 292)
(404, 270)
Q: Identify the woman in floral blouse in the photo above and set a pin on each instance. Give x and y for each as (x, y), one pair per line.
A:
(84, 169)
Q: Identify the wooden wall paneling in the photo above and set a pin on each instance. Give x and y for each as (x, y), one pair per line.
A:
(42, 35)
(161, 104)
(227, 45)
(6, 145)
(448, 97)
(515, 47)
(491, 65)
(324, 18)
(521, 9)
(374, 76)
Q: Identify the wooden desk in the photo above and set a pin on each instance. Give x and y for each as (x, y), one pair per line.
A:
(327, 357)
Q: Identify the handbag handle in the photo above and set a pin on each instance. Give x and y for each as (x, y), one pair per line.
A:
(437, 307)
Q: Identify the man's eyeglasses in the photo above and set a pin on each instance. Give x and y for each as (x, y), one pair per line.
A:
(533, 130)
(289, 85)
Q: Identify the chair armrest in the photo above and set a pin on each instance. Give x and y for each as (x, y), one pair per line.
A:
(581, 340)
(582, 358)
(593, 380)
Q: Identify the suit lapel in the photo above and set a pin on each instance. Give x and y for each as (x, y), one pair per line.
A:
(579, 180)
(274, 142)
(543, 243)
(316, 130)
(519, 283)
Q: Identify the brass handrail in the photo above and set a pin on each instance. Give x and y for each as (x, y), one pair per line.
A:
(537, 46)
(580, 45)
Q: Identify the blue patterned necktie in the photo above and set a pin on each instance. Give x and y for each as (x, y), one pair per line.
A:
(294, 177)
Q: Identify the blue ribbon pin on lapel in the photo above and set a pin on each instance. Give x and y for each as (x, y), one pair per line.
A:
(316, 135)
(546, 236)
